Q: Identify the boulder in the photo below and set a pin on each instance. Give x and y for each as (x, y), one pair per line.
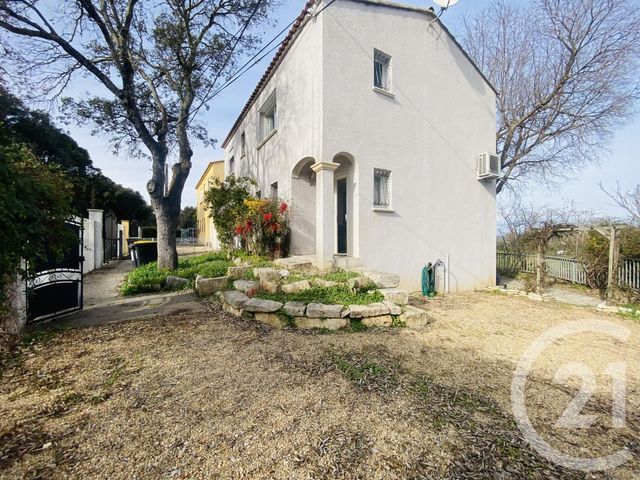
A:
(395, 295)
(175, 283)
(320, 310)
(360, 284)
(270, 319)
(393, 308)
(261, 305)
(294, 263)
(209, 286)
(269, 287)
(381, 321)
(235, 298)
(296, 287)
(248, 287)
(294, 309)
(328, 323)
(235, 273)
(384, 280)
(267, 274)
(414, 317)
(324, 283)
(371, 310)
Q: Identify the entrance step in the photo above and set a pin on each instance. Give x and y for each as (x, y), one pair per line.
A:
(298, 262)
(345, 262)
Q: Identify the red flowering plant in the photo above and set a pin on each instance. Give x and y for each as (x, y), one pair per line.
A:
(265, 228)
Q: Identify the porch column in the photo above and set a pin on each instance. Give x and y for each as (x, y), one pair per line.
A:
(325, 213)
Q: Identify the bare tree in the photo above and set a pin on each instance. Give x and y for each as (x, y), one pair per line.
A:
(628, 201)
(158, 62)
(567, 73)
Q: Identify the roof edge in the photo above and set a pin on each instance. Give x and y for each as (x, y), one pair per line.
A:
(206, 170)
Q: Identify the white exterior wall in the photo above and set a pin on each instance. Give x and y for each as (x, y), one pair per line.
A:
(429, 134)
(298, 86)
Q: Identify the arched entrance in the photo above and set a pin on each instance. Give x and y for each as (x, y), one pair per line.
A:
(346, 205)
(303, 211)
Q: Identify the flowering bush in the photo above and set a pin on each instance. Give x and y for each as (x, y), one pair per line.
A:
(265, 227)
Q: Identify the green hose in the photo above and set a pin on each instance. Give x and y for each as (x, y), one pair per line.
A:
(429, 280)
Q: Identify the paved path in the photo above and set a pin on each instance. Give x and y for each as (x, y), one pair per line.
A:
(564, 295)
(103, 303)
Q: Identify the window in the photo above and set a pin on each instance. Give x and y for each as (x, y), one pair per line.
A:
(232, 166)
(381, 188)
(267, 120)
(274, 190)
(381, 70)
(258, 194)
(243, 145)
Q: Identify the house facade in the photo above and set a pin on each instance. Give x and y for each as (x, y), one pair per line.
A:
(205, 230)
(369, 121)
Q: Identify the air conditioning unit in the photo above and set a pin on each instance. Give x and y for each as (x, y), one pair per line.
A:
(488, 166)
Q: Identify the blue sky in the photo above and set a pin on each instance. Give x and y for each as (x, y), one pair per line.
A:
(621, 164)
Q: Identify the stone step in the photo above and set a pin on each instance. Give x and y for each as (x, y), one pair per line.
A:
(345, 262)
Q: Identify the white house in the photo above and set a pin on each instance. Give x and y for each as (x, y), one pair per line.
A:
(370, 120)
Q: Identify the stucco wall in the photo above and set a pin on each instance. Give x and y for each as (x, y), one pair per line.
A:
(429, 134)
(298, 86)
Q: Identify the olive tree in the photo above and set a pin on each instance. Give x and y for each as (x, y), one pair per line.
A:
(156, 64)
(567, 76)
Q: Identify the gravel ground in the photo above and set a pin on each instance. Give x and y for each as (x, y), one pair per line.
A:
(206, 395)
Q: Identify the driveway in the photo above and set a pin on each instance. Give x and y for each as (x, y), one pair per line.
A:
(103, 303)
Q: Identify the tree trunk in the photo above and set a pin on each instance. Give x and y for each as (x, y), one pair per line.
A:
(167, 225)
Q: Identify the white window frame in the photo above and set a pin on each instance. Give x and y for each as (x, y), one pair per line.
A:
(384, 60)
(387, 175)
(269, 108)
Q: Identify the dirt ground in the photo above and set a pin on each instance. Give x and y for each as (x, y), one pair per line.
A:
(206, 395)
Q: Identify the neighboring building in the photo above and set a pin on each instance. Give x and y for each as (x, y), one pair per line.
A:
(205, 230)
(370, 121)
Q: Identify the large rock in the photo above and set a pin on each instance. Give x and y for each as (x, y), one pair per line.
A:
(261, 305)
(296, 287)
(320, 282)
(381, 321)
(235, 298)
(393, 308)
(384, 280)
(371, 310)
(235, 273)
(270, 319)
(320, 310)
(294, 309)
(414, 317)
(268, 274)
(269, 287)
(248, 287)
(328, 323)
(360, 284)
(175, 283)
(294, 263)
(209, 286)
(395, 295)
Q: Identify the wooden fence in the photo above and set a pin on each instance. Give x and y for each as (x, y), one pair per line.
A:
(568, 269)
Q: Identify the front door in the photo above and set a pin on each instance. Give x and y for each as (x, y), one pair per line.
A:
(341, 188)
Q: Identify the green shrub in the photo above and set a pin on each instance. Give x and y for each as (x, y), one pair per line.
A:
(339, 294)
(147, 277)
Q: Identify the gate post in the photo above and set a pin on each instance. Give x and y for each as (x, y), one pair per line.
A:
(97, 216)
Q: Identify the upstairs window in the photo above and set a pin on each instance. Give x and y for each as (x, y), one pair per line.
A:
(267, 120)
(232, 166)
(243, 145)
(274, 190)
(381, 188)
(381, 70)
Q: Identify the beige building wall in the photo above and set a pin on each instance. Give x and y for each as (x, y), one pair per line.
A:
(205, 230)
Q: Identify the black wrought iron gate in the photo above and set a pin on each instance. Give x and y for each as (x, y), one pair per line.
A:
(57, 287)
(110, 237)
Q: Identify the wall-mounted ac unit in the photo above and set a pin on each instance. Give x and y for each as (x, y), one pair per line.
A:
(488, 166)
